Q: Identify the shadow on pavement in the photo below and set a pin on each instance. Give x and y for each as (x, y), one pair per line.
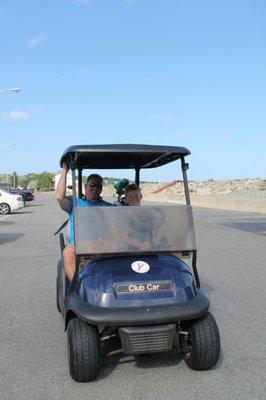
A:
(21, 213)
(158, 360)
(146, 361)
(9, 237)
(249, 226)
(5, 222)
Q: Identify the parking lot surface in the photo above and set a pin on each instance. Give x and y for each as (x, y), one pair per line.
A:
(33, 359)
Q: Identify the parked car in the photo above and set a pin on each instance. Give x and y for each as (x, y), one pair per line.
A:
(10, 202)
(27, 194)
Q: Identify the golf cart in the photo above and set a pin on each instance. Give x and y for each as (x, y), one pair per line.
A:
(138, 299)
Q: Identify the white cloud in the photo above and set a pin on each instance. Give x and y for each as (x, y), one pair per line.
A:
(82, 71)
(36, 40)
(15, 115)
(84, 2)
(162, 118)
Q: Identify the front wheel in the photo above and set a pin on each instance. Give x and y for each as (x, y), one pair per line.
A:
(202, 343)
(4, 209)
(83, 351)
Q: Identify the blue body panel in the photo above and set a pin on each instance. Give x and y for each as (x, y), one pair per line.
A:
(98, 280)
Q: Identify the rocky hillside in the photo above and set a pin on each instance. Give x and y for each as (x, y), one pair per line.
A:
(240, 194)
(213, 187)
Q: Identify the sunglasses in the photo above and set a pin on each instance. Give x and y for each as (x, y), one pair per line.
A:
(96, 185)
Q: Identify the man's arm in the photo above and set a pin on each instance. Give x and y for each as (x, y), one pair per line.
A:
(61, 188)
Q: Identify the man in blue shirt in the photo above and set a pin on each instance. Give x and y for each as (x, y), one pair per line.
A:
(93, 189)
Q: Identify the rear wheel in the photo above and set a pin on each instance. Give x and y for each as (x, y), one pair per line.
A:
(83, 351)
(202, 344)
(4, 209)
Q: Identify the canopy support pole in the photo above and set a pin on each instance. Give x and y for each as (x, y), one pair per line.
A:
(185, 166)
(194, 267)
(137, 176)
(80, 183)
(74, 187)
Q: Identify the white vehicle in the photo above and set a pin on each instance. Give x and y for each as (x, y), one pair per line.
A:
(10, 202)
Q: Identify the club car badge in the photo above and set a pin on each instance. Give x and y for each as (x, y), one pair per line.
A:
(140, 267)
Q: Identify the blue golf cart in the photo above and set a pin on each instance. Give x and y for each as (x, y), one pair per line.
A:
(138, 299)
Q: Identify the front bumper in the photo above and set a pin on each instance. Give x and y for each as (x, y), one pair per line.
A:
(136, 316)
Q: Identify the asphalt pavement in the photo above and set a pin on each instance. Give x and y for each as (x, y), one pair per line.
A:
(33, 357)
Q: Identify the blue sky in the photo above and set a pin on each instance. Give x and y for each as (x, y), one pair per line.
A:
(184, 73)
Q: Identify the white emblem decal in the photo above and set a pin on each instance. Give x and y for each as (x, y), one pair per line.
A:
(140, 266)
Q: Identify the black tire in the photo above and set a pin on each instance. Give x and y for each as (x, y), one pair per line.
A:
(4, 209)
(204, 343)
(83, 351)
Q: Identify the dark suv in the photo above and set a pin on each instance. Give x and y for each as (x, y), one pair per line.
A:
(27, 194)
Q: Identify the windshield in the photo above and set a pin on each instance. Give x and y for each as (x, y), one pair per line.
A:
(106, 230)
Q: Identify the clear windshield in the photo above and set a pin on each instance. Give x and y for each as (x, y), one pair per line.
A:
(141, 229)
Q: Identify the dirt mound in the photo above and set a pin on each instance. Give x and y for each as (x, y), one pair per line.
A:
(212, 187)
(241, 194)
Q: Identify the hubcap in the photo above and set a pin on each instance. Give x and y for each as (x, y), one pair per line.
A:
(4, 209)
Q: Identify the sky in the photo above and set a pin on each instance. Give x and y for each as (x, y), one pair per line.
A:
(172, 72)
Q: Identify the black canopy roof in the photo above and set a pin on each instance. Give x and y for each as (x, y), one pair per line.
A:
(121, 156)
